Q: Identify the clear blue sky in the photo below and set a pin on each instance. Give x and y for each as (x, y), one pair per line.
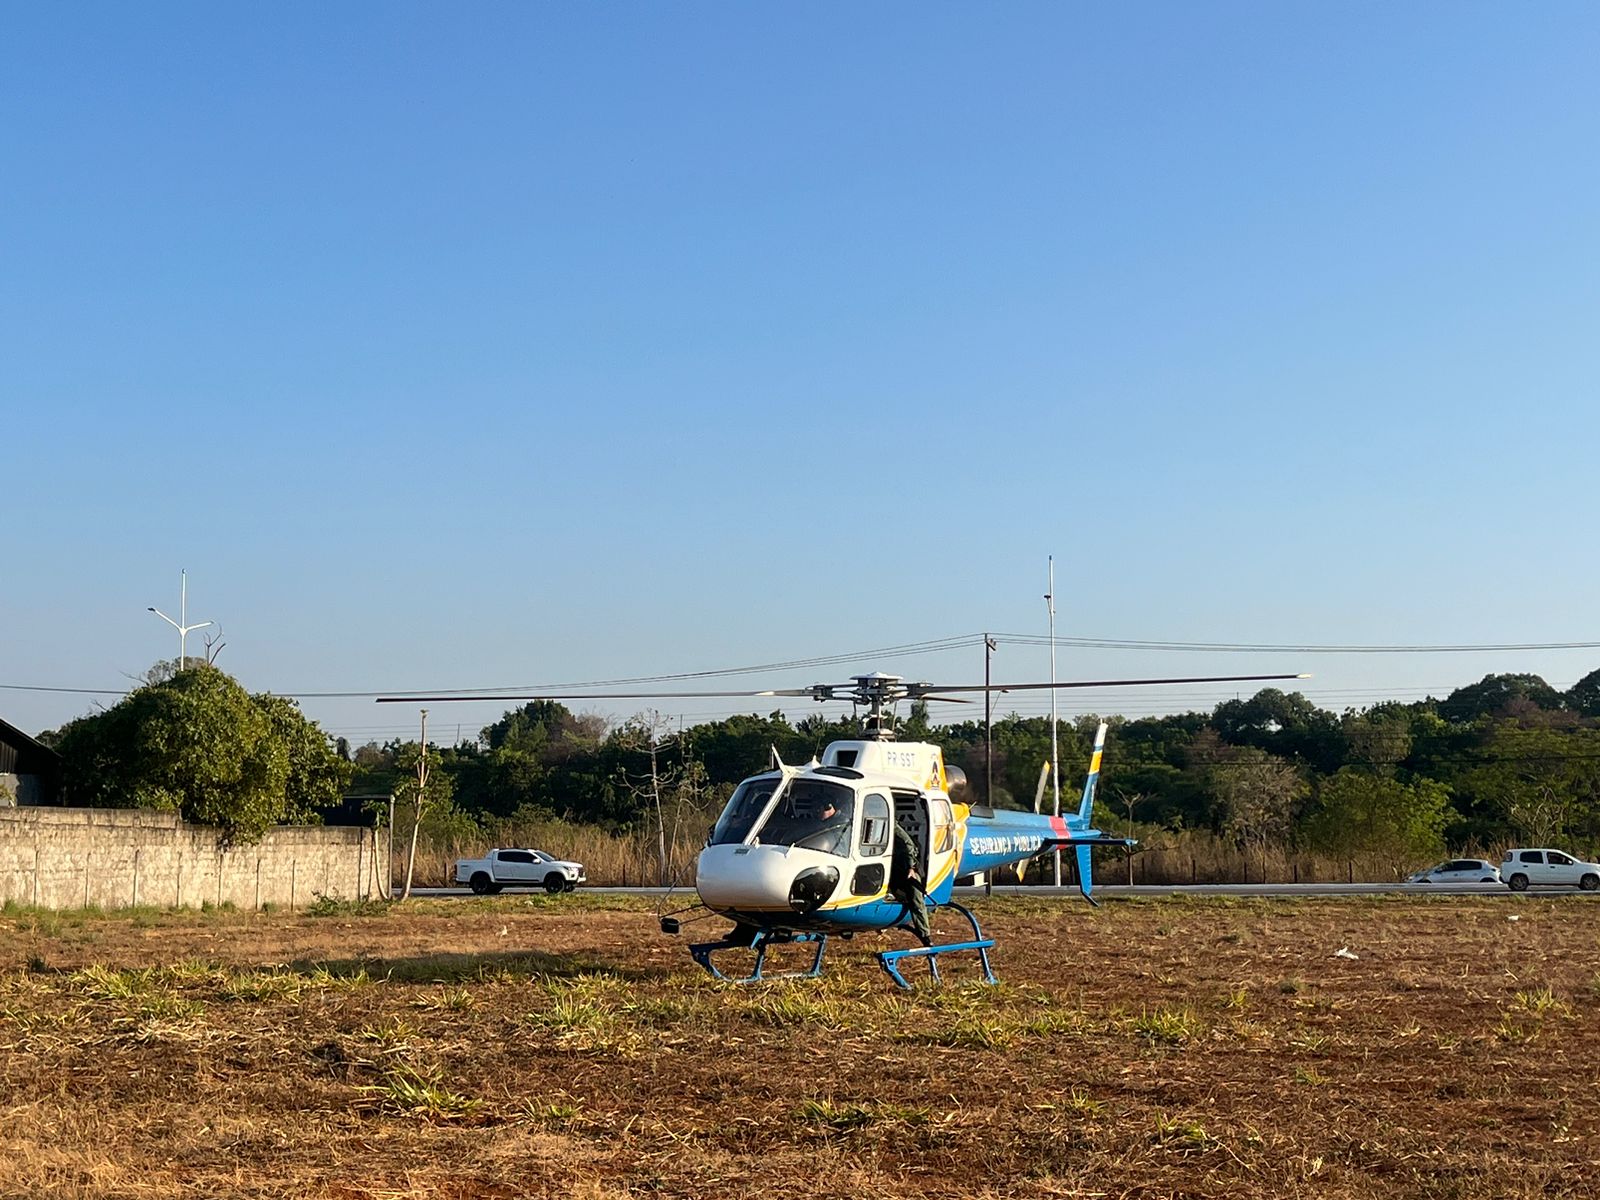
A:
(477, 345)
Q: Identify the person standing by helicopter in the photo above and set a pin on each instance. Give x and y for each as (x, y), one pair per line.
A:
(905, 884)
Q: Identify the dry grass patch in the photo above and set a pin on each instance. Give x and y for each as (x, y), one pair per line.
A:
(507, 1048)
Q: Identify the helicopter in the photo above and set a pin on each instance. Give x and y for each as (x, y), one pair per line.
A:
(800, 854)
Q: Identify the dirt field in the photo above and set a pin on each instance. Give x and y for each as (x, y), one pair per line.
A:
(563, 1047)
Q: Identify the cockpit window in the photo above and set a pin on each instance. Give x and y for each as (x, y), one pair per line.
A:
(814, 815)
(743, 810)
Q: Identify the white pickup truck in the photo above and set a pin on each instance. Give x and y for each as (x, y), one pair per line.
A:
(518, 868)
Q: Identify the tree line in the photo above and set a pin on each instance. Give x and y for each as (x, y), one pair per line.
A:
(1509, 758)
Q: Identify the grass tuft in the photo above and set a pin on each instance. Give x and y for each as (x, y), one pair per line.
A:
(1168, 1026)
(1184, 1136)
(333, 906)
(414, 1091)
(842, 1118)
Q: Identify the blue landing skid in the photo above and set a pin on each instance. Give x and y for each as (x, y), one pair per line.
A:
(889, 960)
(702, 952)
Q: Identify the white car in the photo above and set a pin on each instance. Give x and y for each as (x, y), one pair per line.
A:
(518, 868)
(1458, 870)
(1522, 869)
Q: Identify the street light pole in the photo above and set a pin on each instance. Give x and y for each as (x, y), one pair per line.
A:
(183, 616)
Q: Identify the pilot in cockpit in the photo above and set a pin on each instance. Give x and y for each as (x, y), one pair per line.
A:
(817, 822)
(832, 829)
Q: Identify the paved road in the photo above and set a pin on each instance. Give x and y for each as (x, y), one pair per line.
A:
(1114, 890)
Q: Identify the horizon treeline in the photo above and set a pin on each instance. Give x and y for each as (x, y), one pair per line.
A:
(1507, 759)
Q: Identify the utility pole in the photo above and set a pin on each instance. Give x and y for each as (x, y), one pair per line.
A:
(422, 787)
(989, 647)
(1055, 750)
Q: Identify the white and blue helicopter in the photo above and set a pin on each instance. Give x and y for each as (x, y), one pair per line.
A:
(800, 854)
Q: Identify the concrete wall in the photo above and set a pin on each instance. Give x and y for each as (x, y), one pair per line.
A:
(73, 857)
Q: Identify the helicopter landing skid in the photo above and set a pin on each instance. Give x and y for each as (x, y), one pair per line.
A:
(763, 941)
(889, 960)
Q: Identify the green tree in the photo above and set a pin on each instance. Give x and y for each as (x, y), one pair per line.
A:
(1495, 695)
(1285, 724)
(1380, 738)
(318, 774)
(1584, 696)
(1543, 784)
(1359, 811)
(1257, 794)
(199, 745)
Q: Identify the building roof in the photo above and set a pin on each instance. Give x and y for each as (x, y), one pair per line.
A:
(32, 757)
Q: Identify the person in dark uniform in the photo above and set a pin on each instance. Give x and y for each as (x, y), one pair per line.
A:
(905, 884)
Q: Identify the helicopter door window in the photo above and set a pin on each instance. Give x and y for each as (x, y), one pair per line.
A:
(944, 830)
(875, 825)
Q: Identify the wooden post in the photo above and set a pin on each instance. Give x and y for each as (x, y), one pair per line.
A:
(361, 853)
(137, 851)
(258, 885)
(294, 872)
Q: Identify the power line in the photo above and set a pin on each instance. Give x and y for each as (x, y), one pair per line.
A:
(33, 687)
(1029, 639)
(910, 649)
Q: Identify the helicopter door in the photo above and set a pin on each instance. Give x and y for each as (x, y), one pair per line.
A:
(941, 843)
(872, 850)
(911, 815)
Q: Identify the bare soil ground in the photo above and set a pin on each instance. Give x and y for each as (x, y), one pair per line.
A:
(563, 1047)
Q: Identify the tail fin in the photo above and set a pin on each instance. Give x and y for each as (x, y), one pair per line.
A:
(1086, 875)
(1087, 804)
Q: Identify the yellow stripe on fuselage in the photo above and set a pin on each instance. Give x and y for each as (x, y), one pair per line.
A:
(949, 870)
(854, 901)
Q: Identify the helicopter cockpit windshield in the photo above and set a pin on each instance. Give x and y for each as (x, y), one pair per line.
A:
(813, 814)
(743, 810)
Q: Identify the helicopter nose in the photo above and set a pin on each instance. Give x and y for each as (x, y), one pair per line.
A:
(753, 877)
(766, 878)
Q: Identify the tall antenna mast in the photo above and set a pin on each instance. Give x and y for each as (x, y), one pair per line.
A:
(1055, 750)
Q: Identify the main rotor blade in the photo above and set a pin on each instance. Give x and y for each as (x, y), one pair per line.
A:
(917, 689)
(912, 691)
(594, 696)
